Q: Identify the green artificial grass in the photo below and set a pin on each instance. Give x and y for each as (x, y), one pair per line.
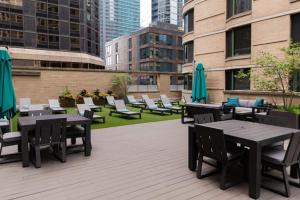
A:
(117, 120)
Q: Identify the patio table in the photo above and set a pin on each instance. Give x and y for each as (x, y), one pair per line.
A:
(27, 124)
(250, 134)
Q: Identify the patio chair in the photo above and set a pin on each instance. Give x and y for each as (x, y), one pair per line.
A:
(173, 102)
(168, 104)
(55, 107)
(133, 102)
(89, 101)
(279, 159)
(152, 107)
(49, 134)
(73, 132)
(187, 98)
(24, 106)
(10, 139)
(83, 107)
(121, 109)
(39, 113)
(110, 101)
(211, 144)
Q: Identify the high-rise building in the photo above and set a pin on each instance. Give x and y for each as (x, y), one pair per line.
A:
(117, 18)
(229, 36)
(168, 11)
(157, 48)
(63, 34)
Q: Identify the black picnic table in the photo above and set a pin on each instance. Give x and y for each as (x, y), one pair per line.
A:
(27, 124)
(252, 135)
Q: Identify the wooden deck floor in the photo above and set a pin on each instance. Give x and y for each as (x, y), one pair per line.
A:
(137, 162)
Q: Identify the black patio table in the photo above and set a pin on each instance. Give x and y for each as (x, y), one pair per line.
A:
(252, 135)
(27, 124)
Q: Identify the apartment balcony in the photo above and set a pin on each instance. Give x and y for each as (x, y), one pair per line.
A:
(142, 88)
(176, 88)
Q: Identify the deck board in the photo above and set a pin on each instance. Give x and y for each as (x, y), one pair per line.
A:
(137, 162)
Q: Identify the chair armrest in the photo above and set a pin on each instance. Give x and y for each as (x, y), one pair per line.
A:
(224, 102)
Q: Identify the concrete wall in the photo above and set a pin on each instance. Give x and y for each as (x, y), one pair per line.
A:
(270, 30)
(41, 85)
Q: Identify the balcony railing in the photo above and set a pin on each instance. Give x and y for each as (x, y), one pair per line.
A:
(142, 88)
(176, 87)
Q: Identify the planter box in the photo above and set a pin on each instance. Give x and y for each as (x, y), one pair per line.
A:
(291, 120)
(66, 102)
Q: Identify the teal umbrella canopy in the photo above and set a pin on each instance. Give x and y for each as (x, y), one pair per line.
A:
(7, 93)
(199, 91)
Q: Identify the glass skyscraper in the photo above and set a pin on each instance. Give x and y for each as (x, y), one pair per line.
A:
(117, 18)
(168, 11)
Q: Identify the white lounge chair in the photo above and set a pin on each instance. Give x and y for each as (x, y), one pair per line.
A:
(133, 102)
(187, 98)
(110, 101)
(167, 104)
(121, 109)
(154, 108)
(82, 107)
(55, 106)
(89, 101)
(24, 105)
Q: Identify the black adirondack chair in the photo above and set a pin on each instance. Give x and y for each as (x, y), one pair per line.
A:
(74, 132)
(211, 144)
(279, 159)
(49, 134)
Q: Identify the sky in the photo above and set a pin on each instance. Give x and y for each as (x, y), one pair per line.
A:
(145, 13)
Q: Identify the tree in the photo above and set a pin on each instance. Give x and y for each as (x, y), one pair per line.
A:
(120, 84)
(274, 74)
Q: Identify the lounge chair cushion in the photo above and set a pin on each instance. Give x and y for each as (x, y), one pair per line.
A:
(232, 101)
(168, 105)
(259, 102)
(275, 156)
(123, 110)
(10, 137)
(153, 106)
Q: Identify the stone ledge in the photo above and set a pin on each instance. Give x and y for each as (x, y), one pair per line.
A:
(25, 73)
(253, 92)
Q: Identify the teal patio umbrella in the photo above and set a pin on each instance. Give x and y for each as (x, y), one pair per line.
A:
(7, 93)
(199, 91)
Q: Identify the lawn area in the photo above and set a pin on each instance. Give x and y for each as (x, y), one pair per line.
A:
(116, 120)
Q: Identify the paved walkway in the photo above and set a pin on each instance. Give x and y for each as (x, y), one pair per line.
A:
(136, 162)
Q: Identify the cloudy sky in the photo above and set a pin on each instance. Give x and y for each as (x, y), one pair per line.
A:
(145, 12)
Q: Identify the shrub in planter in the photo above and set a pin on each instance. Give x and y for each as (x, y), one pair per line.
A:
(98, 97)
(83, 93)
(66, 99)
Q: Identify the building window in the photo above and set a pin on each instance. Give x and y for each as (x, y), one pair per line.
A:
(108, 50)
(116, 47)
(108, 60)
(235, 7)
(129, 56)
(129, 43)
(75, 44)
(147, 80)
(189, 21)
(176, 80)
(188, 81)
(295, 19)
(234, 82)
(189, 52)
(117, 59)
(238, 41)
(144, 39)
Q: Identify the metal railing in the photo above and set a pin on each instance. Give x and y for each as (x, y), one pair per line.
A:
(176, 87)
(142, 88)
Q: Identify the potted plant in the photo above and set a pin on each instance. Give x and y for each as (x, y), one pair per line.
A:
(83, 93)
(66, 99)
(119, 85)
(98, 97)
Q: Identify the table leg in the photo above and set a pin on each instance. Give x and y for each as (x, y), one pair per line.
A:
(294, 171)
(192, 149)
(87, 148)
(25, 153)
(255, 171)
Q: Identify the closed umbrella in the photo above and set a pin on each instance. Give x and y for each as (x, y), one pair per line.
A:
(199, 91)
(7, 93)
